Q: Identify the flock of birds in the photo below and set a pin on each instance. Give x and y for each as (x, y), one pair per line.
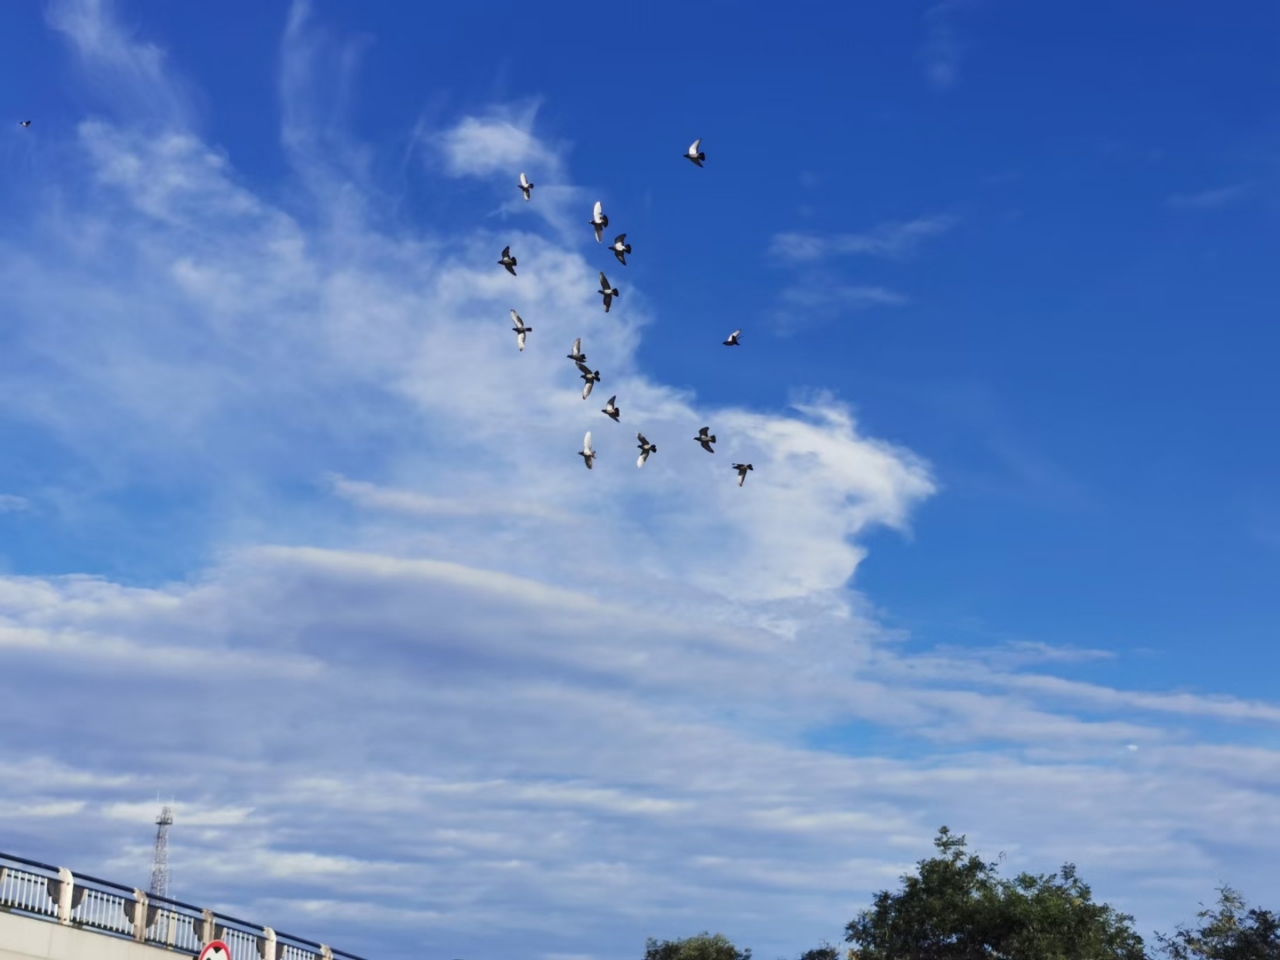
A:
(598, 222)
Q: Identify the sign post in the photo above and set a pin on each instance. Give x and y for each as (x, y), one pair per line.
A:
(215, 950)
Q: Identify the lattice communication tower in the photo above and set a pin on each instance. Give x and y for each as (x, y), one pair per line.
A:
(160, 862)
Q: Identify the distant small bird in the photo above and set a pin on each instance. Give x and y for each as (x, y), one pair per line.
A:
(578, 356)
(520, 329)
(706, 438)
(733, 339)
(599, 221)
(587, 454)
(525, 186)
(742, 469)
(508, 261)
(590, 376)
(621, 248)
(611, 409)
(24, 123)
(646, 448)
(607, 291)
(695, 154)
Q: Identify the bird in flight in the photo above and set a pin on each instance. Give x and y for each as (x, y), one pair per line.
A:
(694, 153)
(520, 329)
(733, 339)
(621, 248)
(742, 469)
(599, 221)
(508, 261)
(611, 409)
(586, 453)
(646, 448)
(24, 123)
(590, 376)
(525, 186)
(706, 438)
(577, 356)
(607, 291)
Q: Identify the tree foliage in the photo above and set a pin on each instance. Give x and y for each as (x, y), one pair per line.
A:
(1228, 933)
(703, 946)
(957, 908)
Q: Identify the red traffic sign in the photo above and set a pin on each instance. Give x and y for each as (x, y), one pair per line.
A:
(215, 950)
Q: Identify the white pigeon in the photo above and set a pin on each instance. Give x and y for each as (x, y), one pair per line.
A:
(621, 248)
(591, 377)
(742, 469)
(578, 356)
(706, 438)
(607, 291)
(525, 186)
(599, 221)
(733, 339)
(520, 329)
(646, 448)
(611, 409)
(508, 261)
(587, 454)
(694, 152)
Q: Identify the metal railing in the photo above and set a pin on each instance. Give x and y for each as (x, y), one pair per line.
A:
(56, 894)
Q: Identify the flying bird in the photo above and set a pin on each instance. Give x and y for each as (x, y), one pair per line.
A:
(621, 248)
(706, 438)
(733, 339)
(694, 153)
(599, 221)
(520, 329)
(586, 453)
(508, 261)
(591, 377)
(742, 469)
(525, 186)
(607, 291)
(646, 448)
(577, 356)
(24, 123)
(611, 409)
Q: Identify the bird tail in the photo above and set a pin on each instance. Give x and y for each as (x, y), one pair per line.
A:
(626, 248)
(712, 438)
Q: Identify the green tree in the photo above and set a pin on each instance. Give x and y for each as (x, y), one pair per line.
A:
(704, 946)
(824, 951)
(957, 908)
(1228, 933)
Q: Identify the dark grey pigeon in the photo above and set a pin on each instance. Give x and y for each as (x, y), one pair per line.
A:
(742, 469)
(646, 448)
(621, 248)
(586, 453)
(508, 261)
(578, 356)
(611, 409)
(24, 123)
(599, 221)
(694, 153)
(607, 291)
(525, 186)
(706, 438)
(590, 376)
(733, 339)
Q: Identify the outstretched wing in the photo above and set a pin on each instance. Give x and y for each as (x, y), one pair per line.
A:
(604, 282)
(577, 347)
(586, 444)
(643, 442)
(735, 334)
(620, 240)
(515, 318)
(506, 252)
(693, 150)
(584, 369)
(596, 211)
(524, 181)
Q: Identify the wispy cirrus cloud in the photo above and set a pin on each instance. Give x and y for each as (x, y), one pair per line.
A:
(12, 503)
(1211, 199)
(895, 240)
(942, 50)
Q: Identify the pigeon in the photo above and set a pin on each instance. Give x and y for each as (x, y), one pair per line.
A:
(621, 248)
(520, 329)
(611, 409)
(578, 356)
(705, 438)
(525, 186)
(508, 261)
(607, 291)
(695, 154)
(646, 448)
(742, 469)
(599, 221)
(733, 339)
(590, 376)
(24, 123)
(587, 454)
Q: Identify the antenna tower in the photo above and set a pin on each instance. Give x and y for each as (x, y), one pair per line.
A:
(160, 862)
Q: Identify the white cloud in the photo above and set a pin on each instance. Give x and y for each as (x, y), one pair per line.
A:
(1210, 199)
(12, 503)
(894, 240)
(942, 49)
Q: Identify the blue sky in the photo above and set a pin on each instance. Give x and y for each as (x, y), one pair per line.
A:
(1007, 562)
